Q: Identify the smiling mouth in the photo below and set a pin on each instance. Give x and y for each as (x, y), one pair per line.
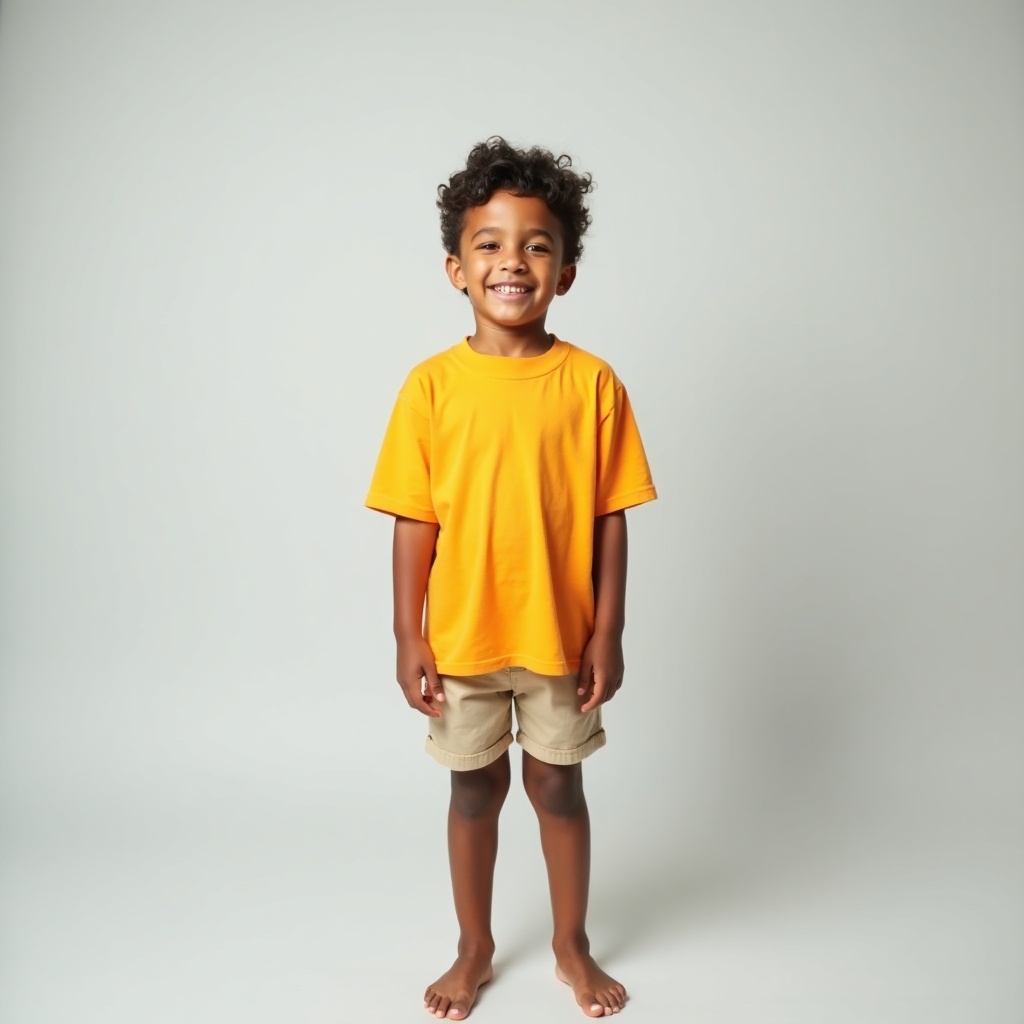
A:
(510, 289)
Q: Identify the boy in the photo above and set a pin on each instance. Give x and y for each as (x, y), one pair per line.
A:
(508, 462)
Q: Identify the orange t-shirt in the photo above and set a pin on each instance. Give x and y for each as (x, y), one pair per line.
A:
(513, 458)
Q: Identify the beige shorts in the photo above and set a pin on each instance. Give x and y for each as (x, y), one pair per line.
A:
(475, 727)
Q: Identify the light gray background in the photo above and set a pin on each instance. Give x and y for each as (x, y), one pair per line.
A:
(219, 256)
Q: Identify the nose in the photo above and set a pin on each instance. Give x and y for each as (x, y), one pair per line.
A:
(513, 261)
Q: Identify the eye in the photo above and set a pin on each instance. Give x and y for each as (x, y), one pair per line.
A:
(537, 247)
(488, 246)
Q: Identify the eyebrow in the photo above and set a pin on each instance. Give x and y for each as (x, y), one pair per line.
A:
(532, 231)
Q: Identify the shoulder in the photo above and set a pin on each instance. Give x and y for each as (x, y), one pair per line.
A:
(587, 364)
(433, 366)
(429, 377)
(595, 374)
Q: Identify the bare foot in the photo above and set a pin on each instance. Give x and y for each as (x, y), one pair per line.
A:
(453, 994)
(598, 994)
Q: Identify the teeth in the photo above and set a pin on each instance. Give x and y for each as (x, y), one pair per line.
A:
(509, 289)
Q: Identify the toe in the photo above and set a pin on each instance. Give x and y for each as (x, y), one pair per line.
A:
(458, 1011)
(591, 1007)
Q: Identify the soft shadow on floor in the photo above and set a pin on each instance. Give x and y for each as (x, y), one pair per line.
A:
(646, 903)
(655, 900)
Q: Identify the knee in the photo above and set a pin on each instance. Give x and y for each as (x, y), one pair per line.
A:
(481, 792)
(554, 788)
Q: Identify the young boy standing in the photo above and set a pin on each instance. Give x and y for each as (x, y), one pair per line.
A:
(508, 463)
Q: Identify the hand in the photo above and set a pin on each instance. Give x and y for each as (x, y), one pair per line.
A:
(416, 663)
(601, 670)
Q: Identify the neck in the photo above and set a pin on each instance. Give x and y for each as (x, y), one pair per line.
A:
(520, 342)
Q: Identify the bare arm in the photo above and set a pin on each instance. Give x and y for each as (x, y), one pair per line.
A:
(412, 554)
(602, 667)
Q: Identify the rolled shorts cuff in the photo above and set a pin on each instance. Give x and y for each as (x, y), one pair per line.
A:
(468, 762)
(552, 756)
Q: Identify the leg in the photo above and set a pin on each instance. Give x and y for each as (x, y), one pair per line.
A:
(556, 792)
(476, 801)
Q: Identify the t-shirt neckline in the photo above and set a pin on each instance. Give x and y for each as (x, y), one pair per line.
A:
(512, 367)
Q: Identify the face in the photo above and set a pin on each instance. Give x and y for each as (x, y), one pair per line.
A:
(510, 261)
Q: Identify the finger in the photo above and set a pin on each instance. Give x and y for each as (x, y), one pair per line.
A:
(597, 695)
(434, 687)
(419, 701)
(585, 677)
(426, 706)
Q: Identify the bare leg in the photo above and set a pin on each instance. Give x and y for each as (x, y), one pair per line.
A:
(477, 797)
(556, 792)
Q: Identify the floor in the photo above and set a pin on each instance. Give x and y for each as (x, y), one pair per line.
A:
(313, 918)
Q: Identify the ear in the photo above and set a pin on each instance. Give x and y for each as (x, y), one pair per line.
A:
(453, 268)
(566, 278)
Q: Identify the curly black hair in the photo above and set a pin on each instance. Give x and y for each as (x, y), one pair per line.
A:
(496, 166)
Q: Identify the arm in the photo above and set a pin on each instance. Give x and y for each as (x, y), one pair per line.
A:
(602, 666)
(412, 554)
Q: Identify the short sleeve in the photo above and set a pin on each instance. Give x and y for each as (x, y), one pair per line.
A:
(623, 476)
(401, 480)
